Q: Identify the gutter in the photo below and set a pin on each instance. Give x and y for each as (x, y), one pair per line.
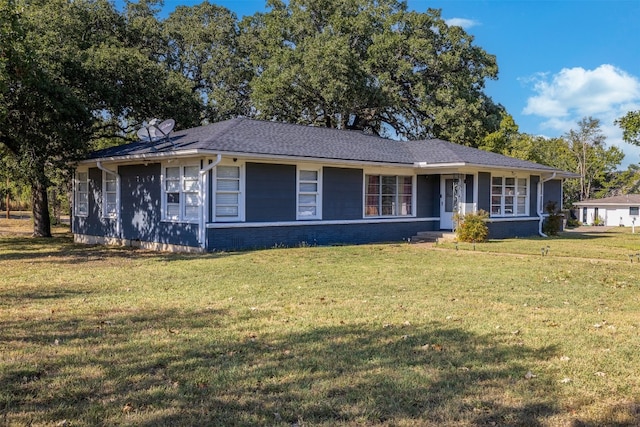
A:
(204, 208)
(118, 219)
(541, 214)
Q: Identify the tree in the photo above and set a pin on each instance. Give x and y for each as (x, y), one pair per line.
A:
(369, 65)
(630, 125)
(592, 159)
(202, 47)
(75, 73)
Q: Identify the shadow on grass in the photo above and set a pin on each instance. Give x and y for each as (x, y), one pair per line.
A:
(189, 368)
(62, 247)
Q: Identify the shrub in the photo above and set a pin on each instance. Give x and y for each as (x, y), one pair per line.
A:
(553, 224)
(472, 227)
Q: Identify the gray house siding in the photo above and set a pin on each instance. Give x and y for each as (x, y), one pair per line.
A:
(484, 191)
(270, 192)
(468, 180)
(94, 224)
(140, 203)
(533, 197)
(508, 229)
(341, 193)
(428, 197)
(291, 236)
(552, 193)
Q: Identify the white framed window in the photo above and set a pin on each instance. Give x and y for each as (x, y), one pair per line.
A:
(82, 193)
(181, 193)
(388, 195)
(309, 194)
(109, 195)
(228, 200)
(509, 196)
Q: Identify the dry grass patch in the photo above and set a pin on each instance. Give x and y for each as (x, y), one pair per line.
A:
(357, 335)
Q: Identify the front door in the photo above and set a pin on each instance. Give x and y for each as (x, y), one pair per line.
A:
(450, 196)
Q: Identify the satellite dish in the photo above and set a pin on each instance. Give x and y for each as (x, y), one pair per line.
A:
(154, 131)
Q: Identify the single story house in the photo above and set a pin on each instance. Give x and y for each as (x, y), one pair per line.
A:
(612, 211)
(245, 183)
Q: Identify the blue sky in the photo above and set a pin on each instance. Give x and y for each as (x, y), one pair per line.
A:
(559, 61)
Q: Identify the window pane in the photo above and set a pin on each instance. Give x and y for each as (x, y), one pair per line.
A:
(191, 212)
(496, 180)
(111, 197)
(633, 210)
(191, 172)
(495, 210)
(83, 187)
(83, 198)
(509, 181)
(173, 210)
(228, 172)
(82, 208)
(227, 199)
(226, 211)
(173, 197)
(309, 187)
(110, 186)
(83, 176)
(172, 173)
(307, 211)
(307, 199)
(308, 175)
(496, 200)
(190, 185)
(228, 185)
(111, 208)
(191, 199)
(172, 186)
(496, 190)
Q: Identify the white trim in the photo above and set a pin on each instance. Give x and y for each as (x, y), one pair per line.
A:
(396, 174)
(376, 220)
(513, 219)
(241, 191)
(515, 196)
(181, 165)
(105, 214)
(318, 169)
(205, 172)
(76, 191)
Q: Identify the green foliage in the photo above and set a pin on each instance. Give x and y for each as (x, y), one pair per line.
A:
(553, 222)
(472, 227)
(369, 65)
(630, 125)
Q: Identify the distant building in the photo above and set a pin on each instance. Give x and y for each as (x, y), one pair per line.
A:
(611, 211)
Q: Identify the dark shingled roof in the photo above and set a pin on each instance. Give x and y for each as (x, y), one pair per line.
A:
(247, 136)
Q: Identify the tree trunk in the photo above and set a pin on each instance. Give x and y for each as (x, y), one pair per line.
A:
(8, 200)
(40, 208)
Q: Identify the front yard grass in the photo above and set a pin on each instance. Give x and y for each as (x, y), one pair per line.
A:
(393, 335)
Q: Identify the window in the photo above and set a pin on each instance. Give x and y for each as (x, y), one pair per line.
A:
(308, 194)
(509, 196)
(227, 197)
(109, 195)
(388, 195)
(634, 210)
(82, 194)
(181, 193)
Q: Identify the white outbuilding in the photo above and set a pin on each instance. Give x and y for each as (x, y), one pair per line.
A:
(611, 211)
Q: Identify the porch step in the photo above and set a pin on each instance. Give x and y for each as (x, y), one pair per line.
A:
(433, 236)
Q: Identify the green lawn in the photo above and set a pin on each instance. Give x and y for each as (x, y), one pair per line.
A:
(394, 335)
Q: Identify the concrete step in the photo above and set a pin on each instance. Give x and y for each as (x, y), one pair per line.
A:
(433, 236)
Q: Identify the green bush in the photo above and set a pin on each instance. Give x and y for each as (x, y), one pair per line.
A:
(472, 227)
(553, 223)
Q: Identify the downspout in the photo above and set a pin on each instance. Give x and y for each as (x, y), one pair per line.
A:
(118, 218)
(541, 200)
(202, 235)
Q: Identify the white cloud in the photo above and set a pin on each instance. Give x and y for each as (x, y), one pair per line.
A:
(461, 22)
(605, 93)
(576, 91)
